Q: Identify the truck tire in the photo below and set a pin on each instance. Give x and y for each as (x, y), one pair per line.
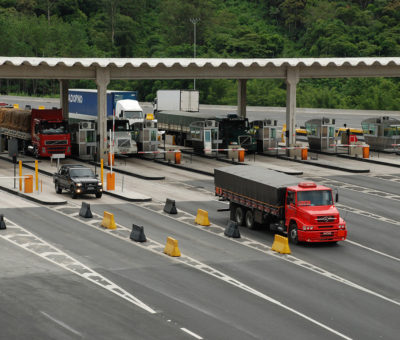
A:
(249, 219)
(293, 236)
(58, 188)
(73, 192)
(98, 194)
(239, 216)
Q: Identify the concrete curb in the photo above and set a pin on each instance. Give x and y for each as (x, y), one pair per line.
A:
(368, 160)
(34, 199)
(148, 199)
(327, 166)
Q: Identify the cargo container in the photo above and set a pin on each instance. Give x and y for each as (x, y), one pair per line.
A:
(83, 104)
(304, 211)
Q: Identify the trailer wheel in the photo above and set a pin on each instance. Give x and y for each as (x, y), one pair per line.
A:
(293, 236)
(249, 220)
(58, 189)
(239, 215)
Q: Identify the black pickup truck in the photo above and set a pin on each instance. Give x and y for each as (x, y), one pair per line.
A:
(77, 179)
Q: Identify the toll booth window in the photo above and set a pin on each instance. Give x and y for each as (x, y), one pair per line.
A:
(273, 133)
(331, 131)
(214, 134)
(312, 130)
(153, 136)
(369, 129)
(207, 136)
(392, 131)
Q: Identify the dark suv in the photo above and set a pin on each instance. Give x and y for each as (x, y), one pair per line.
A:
(77, 179)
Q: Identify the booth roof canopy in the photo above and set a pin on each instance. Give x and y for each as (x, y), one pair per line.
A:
(200, 62)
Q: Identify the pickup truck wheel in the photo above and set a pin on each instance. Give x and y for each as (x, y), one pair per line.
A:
(239, 215)
(98, 195)
(249, 220)
(293, 236)
(58, 189)
(73, 192)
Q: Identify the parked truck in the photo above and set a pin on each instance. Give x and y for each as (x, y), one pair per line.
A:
(304, 211)
(83, 105)
(121, 136)
(177, 100)
(41, 132)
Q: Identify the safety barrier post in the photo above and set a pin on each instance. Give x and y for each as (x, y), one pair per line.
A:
(304, 154)
(28, 184)
(366, 151)
(36, 176)
(241, 155)
(178, 157)
(111, 181)
(20, 175)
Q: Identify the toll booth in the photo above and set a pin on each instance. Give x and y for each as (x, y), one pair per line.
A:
(83, 139)
(321, 134)
(145, 134)
(204, 136)
(265, 135)
(382, 133)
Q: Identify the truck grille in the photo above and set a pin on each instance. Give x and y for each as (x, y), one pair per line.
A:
(124, 143)
(56, 149)
(326, 219)
(56, 142)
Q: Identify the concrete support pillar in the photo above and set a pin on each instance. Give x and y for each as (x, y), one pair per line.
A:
(64, 85)
(292, 78)
(241, 94)
(102, 80)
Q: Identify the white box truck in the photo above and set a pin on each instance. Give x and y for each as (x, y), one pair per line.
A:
(177, 100)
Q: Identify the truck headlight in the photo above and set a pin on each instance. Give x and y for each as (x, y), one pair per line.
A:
(78, 184)
(100, 184)
(307, 227)
(342, 226)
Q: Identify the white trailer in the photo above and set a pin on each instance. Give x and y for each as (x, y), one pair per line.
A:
(177, 100)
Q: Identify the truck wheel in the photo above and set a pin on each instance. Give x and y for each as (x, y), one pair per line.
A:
(98, 194)
(58, 189)
(73, 192)
(239, 215)
(293, 236)
(249, 220)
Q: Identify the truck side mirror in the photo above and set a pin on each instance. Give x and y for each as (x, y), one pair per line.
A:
(337, 197)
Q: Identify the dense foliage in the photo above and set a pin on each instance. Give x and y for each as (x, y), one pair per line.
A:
(225, 29)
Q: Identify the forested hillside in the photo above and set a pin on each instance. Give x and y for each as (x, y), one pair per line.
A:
(226, 29)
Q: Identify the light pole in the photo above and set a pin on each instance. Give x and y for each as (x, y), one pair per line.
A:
(194, 21)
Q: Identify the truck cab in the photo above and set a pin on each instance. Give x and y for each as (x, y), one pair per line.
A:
(129, 109)
(311, 216)
(122, 137)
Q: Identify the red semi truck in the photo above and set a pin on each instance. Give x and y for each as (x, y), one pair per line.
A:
(42, 132)
(304, 211)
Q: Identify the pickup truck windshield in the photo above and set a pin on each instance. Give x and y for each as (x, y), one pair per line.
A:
(314, 198)
(81, 173)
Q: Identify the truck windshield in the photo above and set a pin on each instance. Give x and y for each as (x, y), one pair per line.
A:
(53, 128)
(314, 198)
(133, 114)
(81, 173)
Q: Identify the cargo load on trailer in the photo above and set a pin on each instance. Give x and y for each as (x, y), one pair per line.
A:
(41, 132)
(302, 210)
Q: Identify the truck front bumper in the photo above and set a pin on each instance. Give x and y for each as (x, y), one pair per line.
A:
(322, 236)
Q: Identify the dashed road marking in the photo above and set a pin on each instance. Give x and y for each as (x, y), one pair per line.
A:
(32, 243)
(62, 324)
(191, 333)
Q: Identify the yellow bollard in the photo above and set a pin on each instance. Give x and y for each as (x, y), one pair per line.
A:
(16, 106)
(202, 217)
(177, 157)
(36, 176)
(281, 245)
(20, 175)
(41, 107)
(28, 184)
(108, 221)
(241, 156)
(111, 181)
(171, 248)
(102, 171)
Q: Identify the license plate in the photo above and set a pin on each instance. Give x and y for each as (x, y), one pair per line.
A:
(327, 233)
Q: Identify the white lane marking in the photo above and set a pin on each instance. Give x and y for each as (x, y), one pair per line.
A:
(191, 333)
(158, 248)
(373, 250)
(18, 237)
(62, 324)
(288, 258)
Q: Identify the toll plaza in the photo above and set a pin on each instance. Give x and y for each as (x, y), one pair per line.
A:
(382, 133)
(321, 134)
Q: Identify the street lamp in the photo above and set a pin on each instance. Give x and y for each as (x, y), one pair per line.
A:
(194, 21)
